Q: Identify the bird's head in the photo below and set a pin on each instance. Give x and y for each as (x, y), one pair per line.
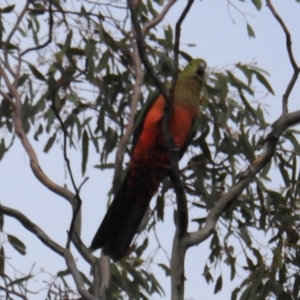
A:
(195, 69)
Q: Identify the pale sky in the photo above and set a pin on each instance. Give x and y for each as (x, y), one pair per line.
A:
(220, 42)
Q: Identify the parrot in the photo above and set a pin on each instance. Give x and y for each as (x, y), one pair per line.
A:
(149, 161)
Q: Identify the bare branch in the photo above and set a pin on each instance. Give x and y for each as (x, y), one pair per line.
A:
(77, 277)
(296, 68)
(30, 226)
(284, 122)
(158, 18)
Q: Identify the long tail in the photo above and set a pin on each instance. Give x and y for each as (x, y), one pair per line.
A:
(127, 210)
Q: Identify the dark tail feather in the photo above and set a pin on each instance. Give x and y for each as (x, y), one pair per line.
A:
(113, 219)
(126, 212)
(119, 226)
(119, 244)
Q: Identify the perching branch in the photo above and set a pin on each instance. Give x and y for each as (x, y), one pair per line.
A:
(169, 142)
(178, 254)
(178, 251)
(284, 122)
(182, 210)
(296, 68)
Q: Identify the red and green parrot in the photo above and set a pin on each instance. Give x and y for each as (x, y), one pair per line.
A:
(149, 161)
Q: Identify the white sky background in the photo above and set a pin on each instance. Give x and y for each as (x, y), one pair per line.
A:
(220, 42)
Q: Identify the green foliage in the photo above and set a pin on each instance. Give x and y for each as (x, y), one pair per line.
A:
(17, 244)
(86, 77)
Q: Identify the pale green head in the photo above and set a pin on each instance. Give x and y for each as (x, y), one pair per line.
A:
(194, 69)
(189, 83)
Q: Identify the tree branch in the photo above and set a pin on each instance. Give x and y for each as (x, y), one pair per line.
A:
(296, 68)
(83, 250)
(77, 277)
(77, 206)
(139, 77)
(158, 18)
(178, 32)
(284, 122)
(34, 163)
(76, 218)
(178, 250)
(30, 226)
(12, 292)
(142, 49)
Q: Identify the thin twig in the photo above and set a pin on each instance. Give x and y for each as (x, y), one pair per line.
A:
(296, 68)
(178, 32)
(67, 160)
(158, 18)
(77, 198)
(49, 34)
(10, 35)
(12, 292)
